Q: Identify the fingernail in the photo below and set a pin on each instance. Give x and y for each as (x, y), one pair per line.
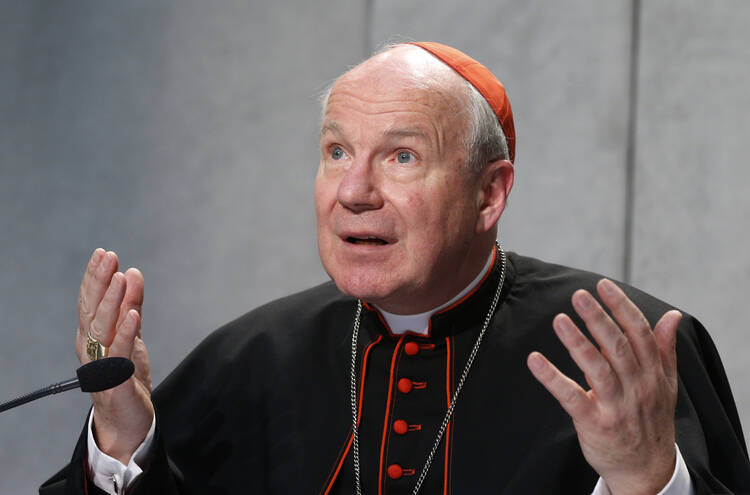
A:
(97, 257)
(608, 286)
(583, 301)
(563, 326)
(105, 262)
(535, 362)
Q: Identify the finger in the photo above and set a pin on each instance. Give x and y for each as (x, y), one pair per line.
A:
(140, 359)
(599, 374)
(127, 344)
(133, 294)
(613, 343)
(122, 345)
(94, 285)
(568, 393)
(665, 335)
(96, 258)
(633, 323)
(85, 311)
(102, 327)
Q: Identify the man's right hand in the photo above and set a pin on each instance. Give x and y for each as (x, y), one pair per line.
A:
(109, 307)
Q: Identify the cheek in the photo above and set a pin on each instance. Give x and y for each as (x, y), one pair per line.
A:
(437, 204)
(426, 220)
(325, 206)
(414, 202)
(448, 214)
(325, 195)
(414, 211)
(322, 214)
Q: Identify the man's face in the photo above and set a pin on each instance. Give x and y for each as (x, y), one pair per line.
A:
(396, 208)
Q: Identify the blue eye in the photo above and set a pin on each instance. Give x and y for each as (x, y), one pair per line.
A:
(337, 153)
(404, 157)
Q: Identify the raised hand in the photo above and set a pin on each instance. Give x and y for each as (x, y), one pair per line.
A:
(109, 308)
(625, 421)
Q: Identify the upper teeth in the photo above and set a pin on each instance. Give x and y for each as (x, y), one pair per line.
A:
(367, 239)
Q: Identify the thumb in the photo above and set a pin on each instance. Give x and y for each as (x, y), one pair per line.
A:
(665, 334)
(128, 344)
(122, 345)
(142, 365)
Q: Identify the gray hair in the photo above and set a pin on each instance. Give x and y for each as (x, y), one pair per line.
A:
(485, 140)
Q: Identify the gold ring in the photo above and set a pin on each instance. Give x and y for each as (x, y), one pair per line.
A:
(94, 349)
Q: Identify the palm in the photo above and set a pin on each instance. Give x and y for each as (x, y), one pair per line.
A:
(625, 421)
(109, 309)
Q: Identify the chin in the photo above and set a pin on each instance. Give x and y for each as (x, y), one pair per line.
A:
(365, 286)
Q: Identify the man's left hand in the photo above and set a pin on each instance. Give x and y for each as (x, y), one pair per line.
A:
(625, 421)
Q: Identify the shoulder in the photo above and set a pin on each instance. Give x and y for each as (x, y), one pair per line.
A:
(276, 336)
(553, 285)
(540, 290)
(297, 319)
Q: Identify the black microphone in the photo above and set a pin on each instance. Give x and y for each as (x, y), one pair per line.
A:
(95, 376)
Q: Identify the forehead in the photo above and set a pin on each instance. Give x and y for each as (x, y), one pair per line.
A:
(403, 84)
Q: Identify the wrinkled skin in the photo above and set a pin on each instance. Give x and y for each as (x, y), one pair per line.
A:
(625, 421)
(404, 225)
(392, 167)
(109, 308)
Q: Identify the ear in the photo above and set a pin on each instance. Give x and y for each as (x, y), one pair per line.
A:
(495, 184)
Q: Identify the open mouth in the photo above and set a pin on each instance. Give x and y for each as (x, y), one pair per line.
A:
(366, 241)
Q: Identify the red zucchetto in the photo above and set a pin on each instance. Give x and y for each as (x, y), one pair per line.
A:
(481, 78)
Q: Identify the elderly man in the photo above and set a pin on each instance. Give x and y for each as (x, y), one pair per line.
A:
(415, 371)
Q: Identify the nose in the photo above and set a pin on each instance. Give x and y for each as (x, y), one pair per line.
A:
(358, 190)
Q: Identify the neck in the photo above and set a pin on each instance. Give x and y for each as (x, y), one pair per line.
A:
(420, 322)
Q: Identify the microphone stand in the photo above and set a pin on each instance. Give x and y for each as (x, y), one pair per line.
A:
(95, 376)
(56, 388)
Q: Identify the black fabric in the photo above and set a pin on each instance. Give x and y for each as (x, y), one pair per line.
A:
(262, 405)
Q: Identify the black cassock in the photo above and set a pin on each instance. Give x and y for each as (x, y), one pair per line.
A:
(263, 404)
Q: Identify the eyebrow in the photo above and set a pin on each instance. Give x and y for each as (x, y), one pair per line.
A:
(334, 128)
(406, 132)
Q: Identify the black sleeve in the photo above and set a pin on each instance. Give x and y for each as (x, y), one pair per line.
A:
(706, 421)
(159, 476)
(210, 428)
(72, 478)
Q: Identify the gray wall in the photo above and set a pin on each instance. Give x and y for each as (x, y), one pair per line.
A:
(183, 136)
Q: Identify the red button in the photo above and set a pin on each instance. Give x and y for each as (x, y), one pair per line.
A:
(405, 385)
(411, 348)
(400, 426)
(395, 471)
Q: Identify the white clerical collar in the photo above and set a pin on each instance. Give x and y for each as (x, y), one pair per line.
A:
(420, 323)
